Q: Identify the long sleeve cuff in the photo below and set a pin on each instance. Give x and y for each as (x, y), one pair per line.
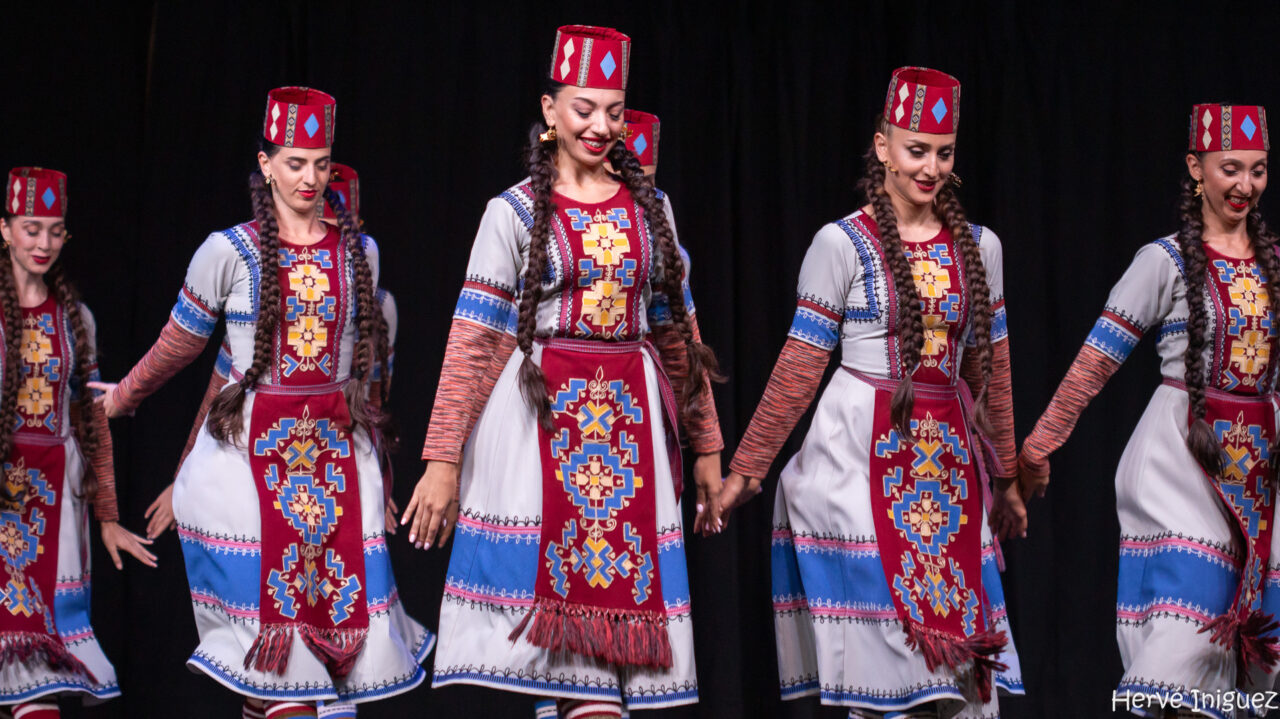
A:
(468, 357)
(1086, 377)
(105, 507)
(999, 403)
(791, 389)
(703, 424)
(175, 349)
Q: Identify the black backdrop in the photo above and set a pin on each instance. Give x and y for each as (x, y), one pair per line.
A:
(1074, 126)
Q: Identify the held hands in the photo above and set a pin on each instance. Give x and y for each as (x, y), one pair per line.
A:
(117, 538)
(107, 399)
(706, 478)
(433, 509)
(160, 514)
(1008, 513)
(737, 491)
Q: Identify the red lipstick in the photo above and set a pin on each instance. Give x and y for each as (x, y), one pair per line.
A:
(308, 194)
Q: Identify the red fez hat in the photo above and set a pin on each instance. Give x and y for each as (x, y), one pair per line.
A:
(299, 117)
(642, 135)
(36, 192)
(923, 100)
(588, 56)
(1228, 127)
(344, 181)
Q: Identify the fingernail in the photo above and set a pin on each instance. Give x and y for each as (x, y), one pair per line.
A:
(700, 508)
(411, 537)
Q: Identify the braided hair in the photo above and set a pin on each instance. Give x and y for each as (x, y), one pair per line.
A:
(12, 352)
(910, 329)
(226, 420)
(540, 162)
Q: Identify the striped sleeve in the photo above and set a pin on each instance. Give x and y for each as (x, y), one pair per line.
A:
(1086, 377)
(659, 309)
(703, 427)
(791, 389)
(824, 282)
(1142, 299)
(485, 312)
(999, 404)
(102, 463)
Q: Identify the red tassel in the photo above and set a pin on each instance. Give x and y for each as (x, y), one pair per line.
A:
(1248, 637)
(270, 651)
(337, 648)
(940, 648)
(27, 648)
(618, 636)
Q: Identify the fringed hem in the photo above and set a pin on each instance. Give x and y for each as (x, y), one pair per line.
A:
(338, 649)
(618, 636)
(28, 647)
(941, 648)
(1249, 638)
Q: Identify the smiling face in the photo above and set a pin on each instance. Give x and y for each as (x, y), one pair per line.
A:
(34, 242)
(1233, 182)
(923, 162)
(587, 121)
(299, 175)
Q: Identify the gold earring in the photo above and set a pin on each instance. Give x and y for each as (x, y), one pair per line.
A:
(955, 180)
(269, 181)
(548, 136)
(626, 132)
(889, 166)
(1199, 188)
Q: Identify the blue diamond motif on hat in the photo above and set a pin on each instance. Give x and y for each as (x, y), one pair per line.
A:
(49, 198)
(608, 65)
(939, 110)
(641, 144)
(1248, 127)
(311, 125)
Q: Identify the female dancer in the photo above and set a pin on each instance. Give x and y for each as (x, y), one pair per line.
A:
(878, 524)
(280, 504)
(1194, 489)
(58, 459)
(567, 579)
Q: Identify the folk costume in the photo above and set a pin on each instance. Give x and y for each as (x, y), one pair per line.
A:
(886, 591)
(1199, 579)
(642, 137)
(295, 601)
(47, 645)
(567, 576)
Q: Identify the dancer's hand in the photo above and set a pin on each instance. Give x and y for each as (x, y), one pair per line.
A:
(1008, 513)
(117, 538)
(1033, 478)
(160, 514)
(391, 510)
(107, 399)
(706, 478)
(737, 491)
(433, 509)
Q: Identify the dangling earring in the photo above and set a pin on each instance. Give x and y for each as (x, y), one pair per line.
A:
(269, 180)
(626, 132)
(548, 136)
(1199, 188)
(889, 166)
(955, 180)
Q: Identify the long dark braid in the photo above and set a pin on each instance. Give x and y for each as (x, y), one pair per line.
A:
(371, 342)
(910, 327)
(540, 161)
(1264, 242)
(702, 360)
(1200, 439)
(86, 433)
(12, 353)
(975, 278)
(226, 420)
